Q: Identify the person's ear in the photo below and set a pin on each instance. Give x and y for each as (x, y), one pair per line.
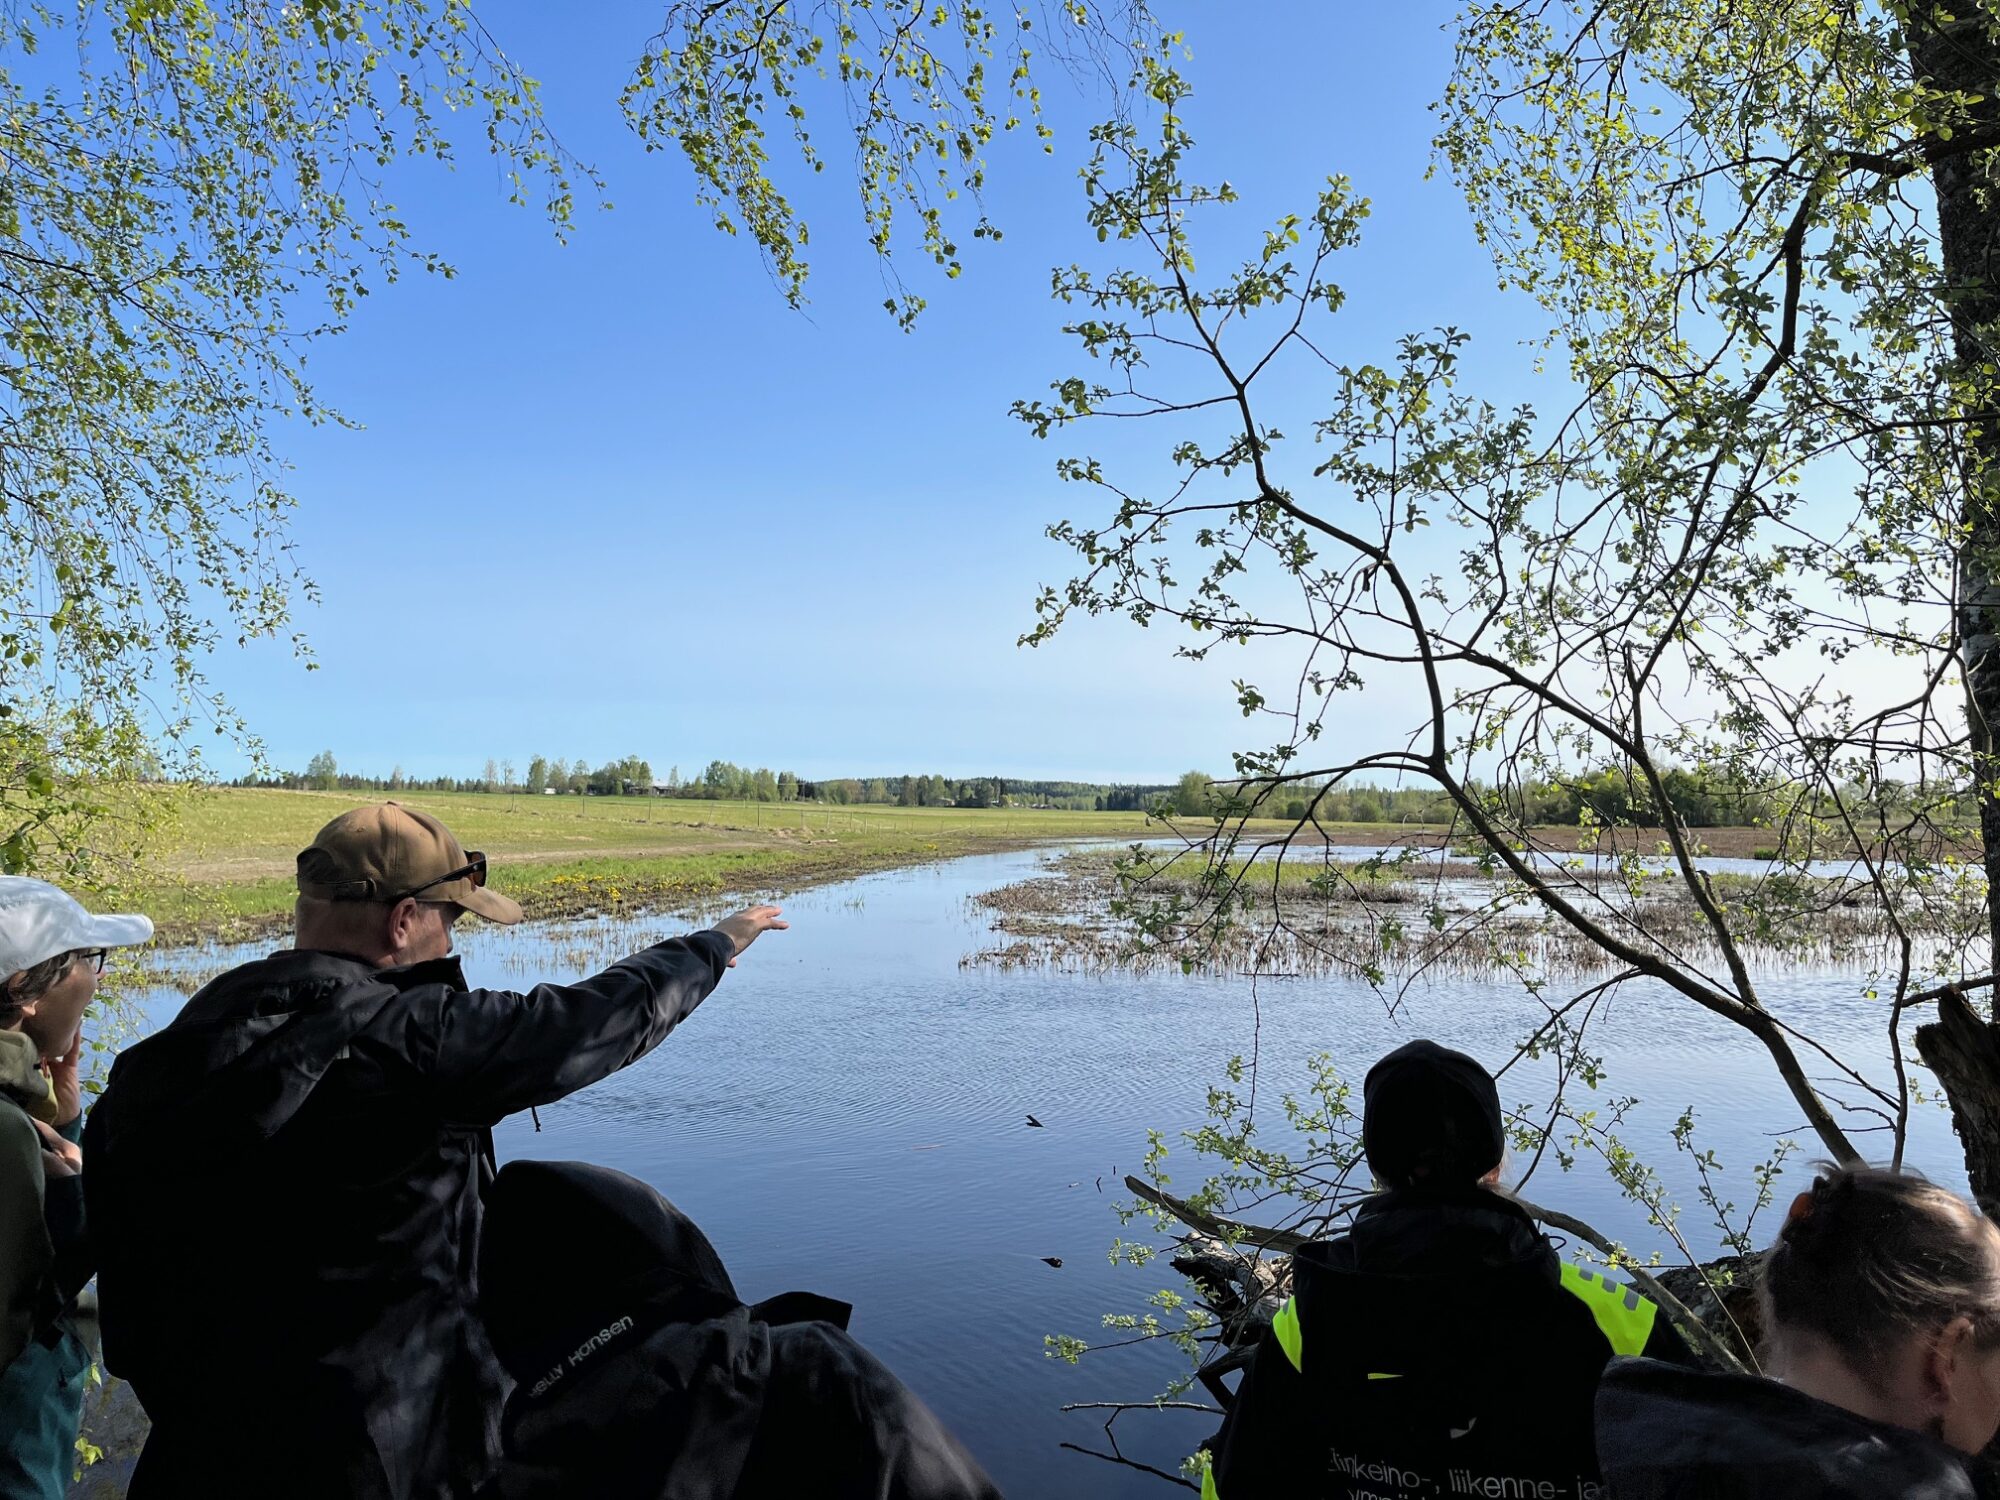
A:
(403, 923)
(1949, 1359)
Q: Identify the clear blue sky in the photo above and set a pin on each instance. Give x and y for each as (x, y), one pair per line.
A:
(640, 506)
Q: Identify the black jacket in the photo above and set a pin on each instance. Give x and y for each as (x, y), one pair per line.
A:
(1673, 1434)
(1440, 1344)
(284, 1188)
(641, 1376)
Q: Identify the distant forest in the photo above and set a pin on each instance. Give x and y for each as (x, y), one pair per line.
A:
(1698, 799)
(723, 780)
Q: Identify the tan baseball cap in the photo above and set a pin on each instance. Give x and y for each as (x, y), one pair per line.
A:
(389, 851)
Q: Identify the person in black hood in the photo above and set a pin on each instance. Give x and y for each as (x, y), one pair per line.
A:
(1882, 1325)
(285, 1181)
(640, 1375)
(1440, 1347)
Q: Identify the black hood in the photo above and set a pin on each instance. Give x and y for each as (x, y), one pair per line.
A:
(642, 1377)
(1430, 1114)
(1426, 1279)
(1442, 1231)
(571, 1250)
(242, 1058)
(1667, 1433)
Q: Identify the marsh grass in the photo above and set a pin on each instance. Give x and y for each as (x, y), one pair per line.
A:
(1096, 912)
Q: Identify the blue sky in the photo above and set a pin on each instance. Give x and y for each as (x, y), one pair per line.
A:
(613, 496)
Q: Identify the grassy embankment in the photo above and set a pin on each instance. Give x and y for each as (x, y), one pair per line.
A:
(230, 870)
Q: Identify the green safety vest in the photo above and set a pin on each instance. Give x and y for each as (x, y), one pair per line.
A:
(1623, 1316)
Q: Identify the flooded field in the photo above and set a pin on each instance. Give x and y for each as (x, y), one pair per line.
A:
(848, 1114)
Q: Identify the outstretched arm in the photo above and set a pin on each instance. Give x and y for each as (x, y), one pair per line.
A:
(499, 1052)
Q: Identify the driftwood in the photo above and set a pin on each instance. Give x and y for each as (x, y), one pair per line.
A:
(1245, 1291)
(1235, 1266)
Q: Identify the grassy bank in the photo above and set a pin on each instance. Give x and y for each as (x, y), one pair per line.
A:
(229, 871)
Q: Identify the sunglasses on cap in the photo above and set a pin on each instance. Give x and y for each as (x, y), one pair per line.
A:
(474, 870)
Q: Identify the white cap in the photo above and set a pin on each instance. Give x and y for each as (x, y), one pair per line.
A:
(39, 920)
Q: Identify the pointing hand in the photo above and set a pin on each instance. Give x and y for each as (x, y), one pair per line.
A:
(742, 928)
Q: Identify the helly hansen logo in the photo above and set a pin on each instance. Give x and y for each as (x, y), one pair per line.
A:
(582, 1352)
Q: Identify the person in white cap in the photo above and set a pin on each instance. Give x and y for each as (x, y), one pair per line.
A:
(51, 951)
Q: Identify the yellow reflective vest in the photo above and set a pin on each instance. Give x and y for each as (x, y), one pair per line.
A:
(1623, 1315)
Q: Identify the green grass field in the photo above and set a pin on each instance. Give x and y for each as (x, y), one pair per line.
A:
(229, 871)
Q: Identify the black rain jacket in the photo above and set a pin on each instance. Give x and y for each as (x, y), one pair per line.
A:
(1673, 1434)
(1443, 1351)
(284, 1190)
(641, 1375)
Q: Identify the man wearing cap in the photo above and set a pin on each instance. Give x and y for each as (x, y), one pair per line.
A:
(285, 1182)
(51, 951)
(1440, 1346)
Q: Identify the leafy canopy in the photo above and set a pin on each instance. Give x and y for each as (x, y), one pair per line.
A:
(194, 194)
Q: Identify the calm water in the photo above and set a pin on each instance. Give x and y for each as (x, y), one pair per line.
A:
(847, 1115)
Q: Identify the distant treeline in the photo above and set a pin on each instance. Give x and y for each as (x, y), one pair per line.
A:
(1698, 798)
(723, 780)
(1611, 796)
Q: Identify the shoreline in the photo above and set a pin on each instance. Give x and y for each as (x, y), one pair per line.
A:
(617, 884)
(228, 879)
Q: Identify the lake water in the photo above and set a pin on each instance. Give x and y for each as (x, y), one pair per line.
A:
(847, 1115)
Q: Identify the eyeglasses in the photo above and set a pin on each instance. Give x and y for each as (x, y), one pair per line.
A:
(474, 870)
(93, 956)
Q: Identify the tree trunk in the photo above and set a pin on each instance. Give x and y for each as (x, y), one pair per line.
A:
(1961, 53)
(1963, 1049)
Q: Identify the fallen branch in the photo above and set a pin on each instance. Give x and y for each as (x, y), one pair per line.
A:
(1286, 1241)
(1143, 1406)
(1957, 986)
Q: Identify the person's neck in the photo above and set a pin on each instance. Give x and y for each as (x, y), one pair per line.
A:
(1821, 1373)
(348, 950)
